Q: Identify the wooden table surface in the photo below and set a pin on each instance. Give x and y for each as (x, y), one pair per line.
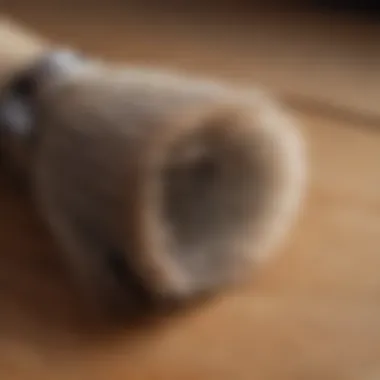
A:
(312, 313)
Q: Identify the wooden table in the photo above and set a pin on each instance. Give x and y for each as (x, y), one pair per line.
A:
(313, 313)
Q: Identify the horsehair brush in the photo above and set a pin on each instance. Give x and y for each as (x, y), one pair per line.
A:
(156, 185)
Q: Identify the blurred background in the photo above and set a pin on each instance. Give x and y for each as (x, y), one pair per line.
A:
(323, 50)
(314, 312)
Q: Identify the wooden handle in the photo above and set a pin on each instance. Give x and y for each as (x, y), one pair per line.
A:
(18, 47)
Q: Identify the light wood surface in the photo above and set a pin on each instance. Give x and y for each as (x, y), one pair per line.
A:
(313, 313)
(301, 54)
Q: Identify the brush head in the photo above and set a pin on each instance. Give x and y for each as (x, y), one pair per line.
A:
(155, 184)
